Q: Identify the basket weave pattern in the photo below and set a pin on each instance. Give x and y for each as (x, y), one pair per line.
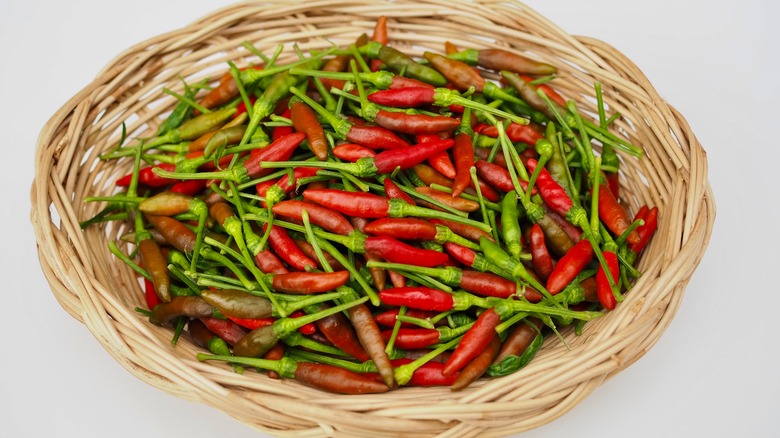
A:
(98, 290)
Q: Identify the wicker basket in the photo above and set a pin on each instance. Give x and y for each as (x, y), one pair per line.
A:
(101, 292)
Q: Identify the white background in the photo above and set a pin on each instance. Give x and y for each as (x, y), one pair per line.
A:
(713, 373)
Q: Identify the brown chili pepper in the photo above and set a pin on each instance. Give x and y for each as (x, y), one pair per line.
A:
(175, 233)
(558, 241)
(238, 304)
(414, 123)
(371, 340)
(304, 119)
(521, 337)
(189, 306)
(299, 283)
(308, 249)
(477, 367)
(500, 59)
(335, 379)
(155, 264)
(459, 203)
(429, 175)
(460, 74)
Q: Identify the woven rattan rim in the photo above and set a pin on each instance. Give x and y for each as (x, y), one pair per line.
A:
(101, 292)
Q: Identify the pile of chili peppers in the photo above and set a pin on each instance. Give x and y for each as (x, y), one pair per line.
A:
(361, 220)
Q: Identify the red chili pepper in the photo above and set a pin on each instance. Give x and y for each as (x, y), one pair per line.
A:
(418, 297)
(358, 204)
(275, 191)
(413, 338)
(552, 193)
(279, 150)
(464, 230)
(403, 97)
(603, 288)
(614, 216)
(252, 323)
(487, 284)
(380, 35)
(150, 295)
(401, 82)
(395, 251)
(306, 329)
(225, 329)
(443, 164)
(148, 178)
(477, 367)
(275, 353)
(392, 191)
(280, 131)
(463, 153)
(646, 231)
(190, 187)
(541, 259)
(388, 317)
(269, 263)
(304, 120)
(326, 218)
(460, 253)
(569, 266)
(309, 282)
(284, 247)
(498, 177)
(340, 333)
(388, 161)
(352, 152)
(241, 107)
(209, 165)
(613, 183)
(403, 228)
(516, 132)
(474, 342)
(548, 90)
(428, 374)
(375, 137)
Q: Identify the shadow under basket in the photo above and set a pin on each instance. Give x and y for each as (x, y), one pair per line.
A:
(102, 292)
